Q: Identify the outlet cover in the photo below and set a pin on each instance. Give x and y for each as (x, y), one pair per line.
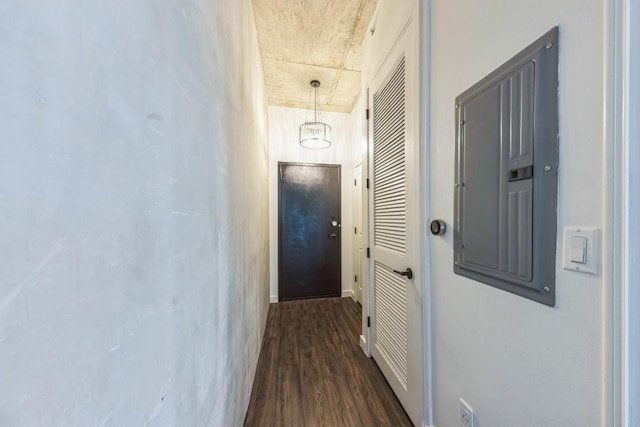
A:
(465, 416)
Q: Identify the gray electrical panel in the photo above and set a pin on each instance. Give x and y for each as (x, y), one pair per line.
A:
(506, 175)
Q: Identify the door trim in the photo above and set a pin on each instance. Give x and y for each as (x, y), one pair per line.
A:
(621, 322)
(424, 204)
(355, 244)
(365, 338)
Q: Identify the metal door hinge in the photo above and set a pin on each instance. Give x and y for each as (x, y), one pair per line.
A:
(368, 253)
(355, 230)
(355, 182)
(367, 114)
(356, 278)
(367, 182)
(368, 322)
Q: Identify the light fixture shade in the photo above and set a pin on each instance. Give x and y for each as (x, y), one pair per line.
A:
(315, 135)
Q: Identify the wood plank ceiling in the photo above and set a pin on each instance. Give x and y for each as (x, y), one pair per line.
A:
(302, 40)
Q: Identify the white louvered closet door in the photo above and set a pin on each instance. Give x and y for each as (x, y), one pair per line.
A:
(393, 164)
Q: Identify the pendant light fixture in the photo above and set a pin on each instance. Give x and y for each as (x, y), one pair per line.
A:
(314, 134)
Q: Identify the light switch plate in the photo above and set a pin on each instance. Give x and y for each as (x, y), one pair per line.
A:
(592, 258)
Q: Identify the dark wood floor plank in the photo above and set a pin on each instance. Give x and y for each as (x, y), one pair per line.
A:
(344, 407)
(273, 321)
(263, 396)
(393, 407)
(312, 372)
(375, 378)
(331, 362)
(315, 402)
(348, 350)
(368, 402)
(352, 314)
(289, 403)
(306, 330)
(288, 334)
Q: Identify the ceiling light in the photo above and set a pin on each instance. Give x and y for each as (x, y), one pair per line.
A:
(314, 134)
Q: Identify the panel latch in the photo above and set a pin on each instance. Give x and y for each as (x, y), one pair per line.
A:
(521, 173)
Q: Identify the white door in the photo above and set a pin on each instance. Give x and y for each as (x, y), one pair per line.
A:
(395, 301)
(358, 233)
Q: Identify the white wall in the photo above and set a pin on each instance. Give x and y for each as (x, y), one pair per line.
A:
(134, 238)
(358, 132)
(516, 362)
(388, 21)
(284, 146)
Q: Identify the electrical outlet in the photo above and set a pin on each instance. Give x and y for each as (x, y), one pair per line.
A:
(466, 414)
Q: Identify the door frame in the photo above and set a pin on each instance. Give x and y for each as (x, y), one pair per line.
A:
(365, 338)
(339, 167)
(424, 201)
(632, 150)
(356, 244)
(621, 273)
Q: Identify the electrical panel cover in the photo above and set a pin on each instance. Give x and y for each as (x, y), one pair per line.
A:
(506, 175)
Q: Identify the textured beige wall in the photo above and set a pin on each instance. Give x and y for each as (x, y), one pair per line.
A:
(134, 210)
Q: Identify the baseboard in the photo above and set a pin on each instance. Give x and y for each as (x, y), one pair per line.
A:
(363, 344)
(348, 293)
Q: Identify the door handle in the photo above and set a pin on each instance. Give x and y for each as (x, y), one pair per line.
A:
(408, 273)
(334, 235)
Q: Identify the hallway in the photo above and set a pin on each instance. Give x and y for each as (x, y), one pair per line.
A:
(141, 144)
(311, 371)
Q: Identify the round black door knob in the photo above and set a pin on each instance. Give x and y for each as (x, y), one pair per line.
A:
(438, 227)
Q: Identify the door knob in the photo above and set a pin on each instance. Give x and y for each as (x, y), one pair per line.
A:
(408, 273)
(438, 227)
(334, 235)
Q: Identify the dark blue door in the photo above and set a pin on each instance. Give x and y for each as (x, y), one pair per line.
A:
(309, 231)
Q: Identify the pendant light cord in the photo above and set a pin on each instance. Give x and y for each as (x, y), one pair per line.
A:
(306, 115)
(315, 109)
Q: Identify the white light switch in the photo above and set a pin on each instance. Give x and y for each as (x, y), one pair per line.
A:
(581, 249)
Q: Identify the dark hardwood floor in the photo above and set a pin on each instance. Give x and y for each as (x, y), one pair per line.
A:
(312, 372)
